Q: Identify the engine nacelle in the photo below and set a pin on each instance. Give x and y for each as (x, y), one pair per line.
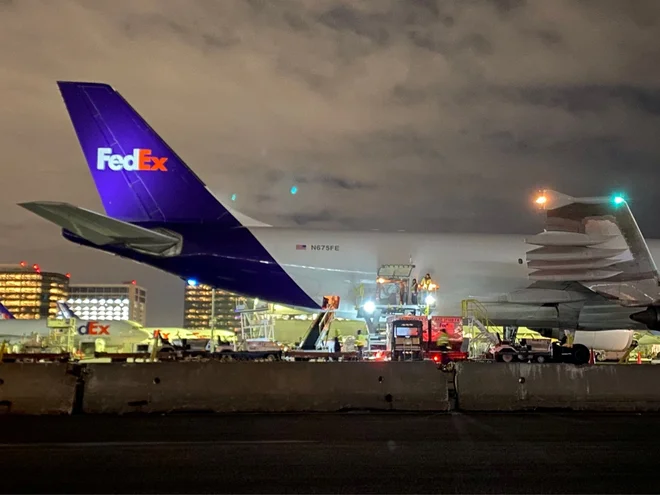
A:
(649, 317)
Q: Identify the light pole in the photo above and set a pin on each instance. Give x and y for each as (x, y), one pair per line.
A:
(212, 320)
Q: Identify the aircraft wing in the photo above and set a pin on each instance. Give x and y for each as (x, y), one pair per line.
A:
(595, 242)
(102, 230)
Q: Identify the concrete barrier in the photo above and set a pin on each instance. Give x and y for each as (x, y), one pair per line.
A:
(264, 387)
(520, 386)
(36, 388)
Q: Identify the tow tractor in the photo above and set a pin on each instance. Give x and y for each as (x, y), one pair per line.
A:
(541, 350)
(525, 350)
(508, 349)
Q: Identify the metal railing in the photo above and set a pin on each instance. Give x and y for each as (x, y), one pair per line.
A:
(471, 310)
(475, 314)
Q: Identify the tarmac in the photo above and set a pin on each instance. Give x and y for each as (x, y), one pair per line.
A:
(331, 453)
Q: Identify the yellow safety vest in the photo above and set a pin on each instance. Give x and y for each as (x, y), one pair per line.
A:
(443, 339)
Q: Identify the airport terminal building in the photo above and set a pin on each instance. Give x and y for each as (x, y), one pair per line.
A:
(125, 301)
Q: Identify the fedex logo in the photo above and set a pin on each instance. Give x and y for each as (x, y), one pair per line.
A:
(93, 328)
(140, 160)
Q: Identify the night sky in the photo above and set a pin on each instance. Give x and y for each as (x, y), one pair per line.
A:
(390, 114)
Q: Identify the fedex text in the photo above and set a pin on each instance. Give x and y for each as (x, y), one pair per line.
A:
(93, 328)
(140, 160)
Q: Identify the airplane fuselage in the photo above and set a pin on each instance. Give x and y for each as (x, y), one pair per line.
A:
(339, 263)
(298, 267)
(114, 333)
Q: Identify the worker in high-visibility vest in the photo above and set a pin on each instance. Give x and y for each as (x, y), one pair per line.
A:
(443, 340)
(425, 287)
(360, 342)
(426, 282)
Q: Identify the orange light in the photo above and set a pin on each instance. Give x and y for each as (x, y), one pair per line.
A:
(541, 200)
(68, 275)
(23, 263)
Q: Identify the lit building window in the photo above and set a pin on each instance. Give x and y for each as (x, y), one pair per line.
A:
(30, 295)
(110, 301)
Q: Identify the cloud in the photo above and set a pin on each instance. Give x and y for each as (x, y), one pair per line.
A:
(401, 114)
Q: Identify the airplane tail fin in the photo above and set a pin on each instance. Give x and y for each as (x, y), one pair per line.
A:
(65, 310)
(5, 314)
(138, 176)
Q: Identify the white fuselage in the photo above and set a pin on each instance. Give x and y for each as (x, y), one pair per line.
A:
(463, 265)
(114, 333)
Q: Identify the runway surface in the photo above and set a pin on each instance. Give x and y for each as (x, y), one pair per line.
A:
(351, 453)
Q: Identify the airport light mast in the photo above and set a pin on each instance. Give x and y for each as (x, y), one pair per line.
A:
(212, 321)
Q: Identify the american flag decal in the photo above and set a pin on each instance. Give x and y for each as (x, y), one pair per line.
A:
(301, 247)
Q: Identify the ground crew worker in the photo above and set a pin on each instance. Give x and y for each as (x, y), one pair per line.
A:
(424, 286)
(331, 346)
(360, 342)
(413, 291)
(443, 340)
(426, 282)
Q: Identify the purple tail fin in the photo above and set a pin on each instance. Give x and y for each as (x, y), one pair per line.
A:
(5, 314)
(138, 176)
(65, 310)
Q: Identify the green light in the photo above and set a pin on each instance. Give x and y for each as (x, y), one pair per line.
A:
(294, 190)
(618, 199)
(233, 197)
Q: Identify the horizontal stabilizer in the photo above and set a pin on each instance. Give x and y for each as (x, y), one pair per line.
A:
(102, 230)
